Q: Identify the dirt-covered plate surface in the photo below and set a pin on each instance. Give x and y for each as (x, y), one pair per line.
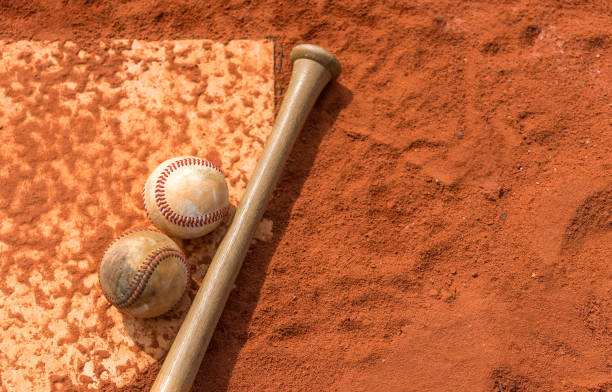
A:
(82, 128)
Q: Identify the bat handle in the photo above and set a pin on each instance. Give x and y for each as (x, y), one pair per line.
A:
(313, 68)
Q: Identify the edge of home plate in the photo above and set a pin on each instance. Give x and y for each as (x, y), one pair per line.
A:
(82, 127)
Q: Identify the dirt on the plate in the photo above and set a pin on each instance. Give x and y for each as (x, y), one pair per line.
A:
(83, 127)
(444, 222)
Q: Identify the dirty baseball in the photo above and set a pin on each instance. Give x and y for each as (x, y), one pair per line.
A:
(143, 273)
(186, 197)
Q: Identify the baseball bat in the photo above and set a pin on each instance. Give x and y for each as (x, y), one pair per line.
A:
(313, 68)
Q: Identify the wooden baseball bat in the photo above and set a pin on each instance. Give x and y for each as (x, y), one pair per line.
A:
(313, 68)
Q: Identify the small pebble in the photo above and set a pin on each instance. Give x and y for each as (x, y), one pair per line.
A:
(446, 295)
(433, 293)
(475, 275)
(453, 271)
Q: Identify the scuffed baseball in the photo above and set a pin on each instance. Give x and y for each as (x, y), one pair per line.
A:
(143, 273)
(186, 197)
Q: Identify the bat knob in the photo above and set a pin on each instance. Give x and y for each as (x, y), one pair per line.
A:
(318, 54)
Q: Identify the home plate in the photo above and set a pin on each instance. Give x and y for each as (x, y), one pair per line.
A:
(81, 127)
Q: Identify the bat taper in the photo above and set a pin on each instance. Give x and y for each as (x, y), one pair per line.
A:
(313, 68)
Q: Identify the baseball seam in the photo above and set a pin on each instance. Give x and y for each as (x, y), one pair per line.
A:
(141, 278)
(164, 206)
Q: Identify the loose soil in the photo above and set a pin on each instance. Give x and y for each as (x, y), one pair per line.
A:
(444, 222)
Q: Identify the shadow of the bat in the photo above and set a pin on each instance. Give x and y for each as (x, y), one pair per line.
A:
(231, 333)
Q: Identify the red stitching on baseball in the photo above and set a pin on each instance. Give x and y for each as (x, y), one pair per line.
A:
(164, 206)
(141, 278)
(117, 302)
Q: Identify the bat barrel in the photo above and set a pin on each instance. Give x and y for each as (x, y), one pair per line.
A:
(313, 68)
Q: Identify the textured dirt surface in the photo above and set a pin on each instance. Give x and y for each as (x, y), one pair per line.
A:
(445, 220)
(82, 129)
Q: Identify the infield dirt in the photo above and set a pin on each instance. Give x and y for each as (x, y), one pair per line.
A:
(444, 222)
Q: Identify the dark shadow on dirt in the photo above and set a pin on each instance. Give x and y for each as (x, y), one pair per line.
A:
(232, 331)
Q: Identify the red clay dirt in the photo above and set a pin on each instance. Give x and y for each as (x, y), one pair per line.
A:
(444, 222)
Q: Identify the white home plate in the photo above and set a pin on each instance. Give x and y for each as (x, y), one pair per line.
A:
(80, 129)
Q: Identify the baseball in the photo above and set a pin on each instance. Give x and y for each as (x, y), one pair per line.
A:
(186, 197)
(143, 273)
